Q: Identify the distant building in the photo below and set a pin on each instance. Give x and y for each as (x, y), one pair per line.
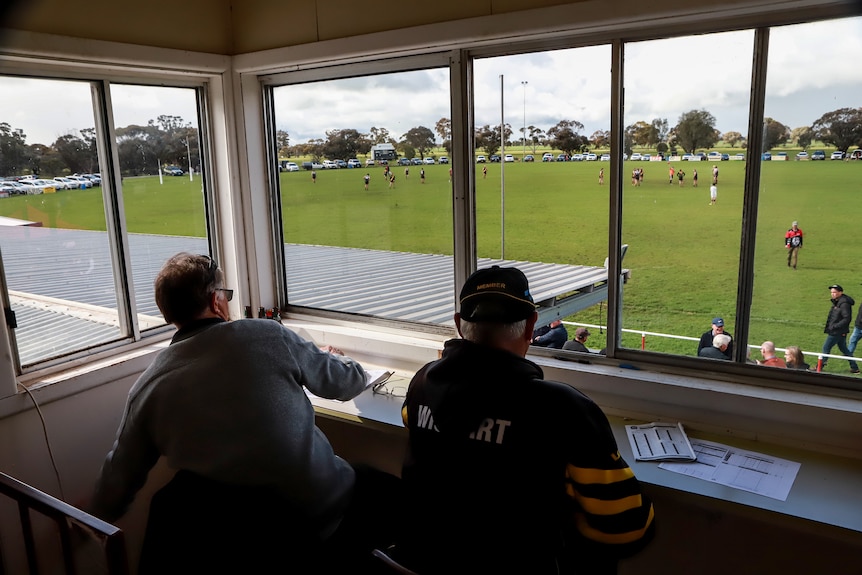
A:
(383, 152)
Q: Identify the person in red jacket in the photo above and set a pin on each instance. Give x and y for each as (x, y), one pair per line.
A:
(793, 243)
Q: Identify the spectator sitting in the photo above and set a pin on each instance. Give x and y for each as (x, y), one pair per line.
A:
(769, 357)
(718, 349)
(507, 472)
(579, 343)
(794, 359)
(554, 338)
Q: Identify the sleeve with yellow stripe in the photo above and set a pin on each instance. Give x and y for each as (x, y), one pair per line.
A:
(610, 508)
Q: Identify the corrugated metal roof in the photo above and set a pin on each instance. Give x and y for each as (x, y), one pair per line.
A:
(62, 284)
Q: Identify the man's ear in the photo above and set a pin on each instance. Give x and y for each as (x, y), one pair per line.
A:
(458, 324)
(531, 325)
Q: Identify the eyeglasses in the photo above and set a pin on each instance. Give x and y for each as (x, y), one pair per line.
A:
(383, 388)
(228, 293)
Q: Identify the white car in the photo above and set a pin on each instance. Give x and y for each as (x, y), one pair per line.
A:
(481, 159)
(714, 156)
(636, 156)
(591, 157)
(508, 158)
(605, 158)
(85, 183)
(429, 161)
(547, 157)
(290, 167)
(354, 163)
(24, 188)
(577, 158)
(329, 165)
(369, 162)
(837, 155)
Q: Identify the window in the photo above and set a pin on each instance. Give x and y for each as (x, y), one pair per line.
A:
(366, 194)
(811, 112)
(686, 98)
(81, 243)
(545, 209)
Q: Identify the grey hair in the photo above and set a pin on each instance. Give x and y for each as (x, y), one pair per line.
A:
(720, 340)
(492, 333)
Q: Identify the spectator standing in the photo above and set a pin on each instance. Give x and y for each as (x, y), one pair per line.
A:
(491, 442)
(857, 332)
(718, 349)
(794, 359)
(838, 324)
(717, 328)
(713, 194)
(767, 350)
(554, 338)
(422, 175)
(367, 180)
(694, 178)
(793, 243)
(579, 343)
(715, 174)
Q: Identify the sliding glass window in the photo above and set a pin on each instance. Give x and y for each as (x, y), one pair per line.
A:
(686, 116)
(72, 284)
(365, 195)
(811, 166)
(543, 179)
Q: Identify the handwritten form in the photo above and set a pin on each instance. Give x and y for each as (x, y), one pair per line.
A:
(746, 470)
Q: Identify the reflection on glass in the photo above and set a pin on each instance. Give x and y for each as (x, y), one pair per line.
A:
(685, 123)
(158, 145)
(366, 194)
(812, 123)
(542, 189)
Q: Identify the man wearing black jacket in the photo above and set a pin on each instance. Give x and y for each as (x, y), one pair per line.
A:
(838, 324)
(506, 472)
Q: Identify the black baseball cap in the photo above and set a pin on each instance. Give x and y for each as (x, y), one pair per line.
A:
(496, 294)
(836, 286)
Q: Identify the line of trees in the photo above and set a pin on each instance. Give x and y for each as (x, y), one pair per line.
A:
(167, 140)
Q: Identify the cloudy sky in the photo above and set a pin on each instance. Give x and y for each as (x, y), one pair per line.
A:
(812, 70)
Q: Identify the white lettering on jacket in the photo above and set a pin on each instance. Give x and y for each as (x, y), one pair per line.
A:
(490, 430)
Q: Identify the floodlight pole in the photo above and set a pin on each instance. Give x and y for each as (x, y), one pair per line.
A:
(524, 133)
(502, 178)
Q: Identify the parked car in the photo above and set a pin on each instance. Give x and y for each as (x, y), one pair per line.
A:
(480, 159)
(725, 157)
(341, 163)
(818, 155)
(443, 160)
(562, 158)
(714, 156)
(605, 158)
(591, 157)
(354, 163)
(802, 155)
(837, 155)
(95, 178)
(529, 158)
(290, 167)
(577, 158)
(429, 161)
(739, 156)
(6, 190)
(495, 158)
(646, 157)
(66, 183)
(766, 156)
(509, 158)
(170, 171)
(24, 188)
(47, 186)
(416, 161)
(85, 183)
(547, 157)
(855, 154)
(637, 157)
(329, 165)
(369, 162)
(403, 161)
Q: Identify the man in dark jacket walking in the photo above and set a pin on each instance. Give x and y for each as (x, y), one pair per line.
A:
(838, 324)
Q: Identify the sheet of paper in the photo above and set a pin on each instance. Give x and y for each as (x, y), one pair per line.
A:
(746, 470)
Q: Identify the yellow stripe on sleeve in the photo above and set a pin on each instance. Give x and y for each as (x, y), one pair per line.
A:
(595, 506)
(587, 476)
(404, 414)
(612, 538)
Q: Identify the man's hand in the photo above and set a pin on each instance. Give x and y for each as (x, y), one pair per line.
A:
(332, 350)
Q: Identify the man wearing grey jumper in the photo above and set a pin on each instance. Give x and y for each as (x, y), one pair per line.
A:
(225, 403)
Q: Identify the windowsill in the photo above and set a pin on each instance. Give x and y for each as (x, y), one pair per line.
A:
(825, 491)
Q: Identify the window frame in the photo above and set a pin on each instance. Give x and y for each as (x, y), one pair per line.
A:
(128, 66)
